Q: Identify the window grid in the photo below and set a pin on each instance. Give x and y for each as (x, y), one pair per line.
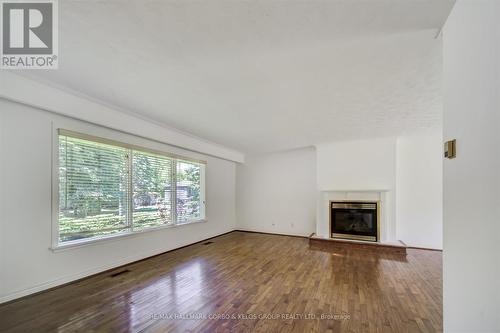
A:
(169, 187)
(130, 196)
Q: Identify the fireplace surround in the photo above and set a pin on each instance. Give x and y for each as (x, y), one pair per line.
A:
(358, 220)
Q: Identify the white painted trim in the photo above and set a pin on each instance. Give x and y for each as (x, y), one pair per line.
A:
(14, 87)
(54, 218)
(271, 232)
(386, 198)
(203, 192)
(73, 277)
(424, 248)
(357, 190)
(113, 237)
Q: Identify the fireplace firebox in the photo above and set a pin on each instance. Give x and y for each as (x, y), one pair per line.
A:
(354, 220)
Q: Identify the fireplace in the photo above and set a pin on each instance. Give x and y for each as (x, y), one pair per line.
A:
(357, 220)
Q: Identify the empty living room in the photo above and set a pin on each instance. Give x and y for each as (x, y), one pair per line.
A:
(250, 166)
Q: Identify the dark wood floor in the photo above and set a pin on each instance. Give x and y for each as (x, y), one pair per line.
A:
(261, 278)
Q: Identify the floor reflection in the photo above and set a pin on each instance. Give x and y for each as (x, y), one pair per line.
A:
(362, 253)
(180, 290)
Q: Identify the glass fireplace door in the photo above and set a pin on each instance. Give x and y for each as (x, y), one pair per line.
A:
(354, 220)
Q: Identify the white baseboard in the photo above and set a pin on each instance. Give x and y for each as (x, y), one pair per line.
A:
(272, 232)
(419, 247)
(423, 248)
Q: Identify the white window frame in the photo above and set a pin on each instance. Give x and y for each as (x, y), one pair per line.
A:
(129, 141)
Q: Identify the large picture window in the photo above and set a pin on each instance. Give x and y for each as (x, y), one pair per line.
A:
(107, 188)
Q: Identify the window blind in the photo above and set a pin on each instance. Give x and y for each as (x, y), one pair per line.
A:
(188, 191)
(107, 188)
(152, 184)
(93, 188)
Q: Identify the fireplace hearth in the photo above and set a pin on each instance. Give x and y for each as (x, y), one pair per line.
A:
(358, 220)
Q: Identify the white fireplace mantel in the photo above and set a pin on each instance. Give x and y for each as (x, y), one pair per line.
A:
(384, 196)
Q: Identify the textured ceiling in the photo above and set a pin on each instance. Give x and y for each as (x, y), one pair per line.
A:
(259, 75)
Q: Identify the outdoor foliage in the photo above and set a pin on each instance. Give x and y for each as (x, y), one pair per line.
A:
(96, 189)
(188, 191)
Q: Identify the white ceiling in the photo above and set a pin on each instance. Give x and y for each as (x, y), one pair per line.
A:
(259, 75)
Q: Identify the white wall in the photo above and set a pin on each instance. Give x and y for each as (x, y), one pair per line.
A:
(419, 183)
(367, 166)
(471, 55)
(356, 165)
(26, 263)
(277, 193)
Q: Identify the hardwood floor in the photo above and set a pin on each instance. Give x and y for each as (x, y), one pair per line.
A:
(261, 278)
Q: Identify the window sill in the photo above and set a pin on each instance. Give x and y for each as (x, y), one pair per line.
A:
(96, 240)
